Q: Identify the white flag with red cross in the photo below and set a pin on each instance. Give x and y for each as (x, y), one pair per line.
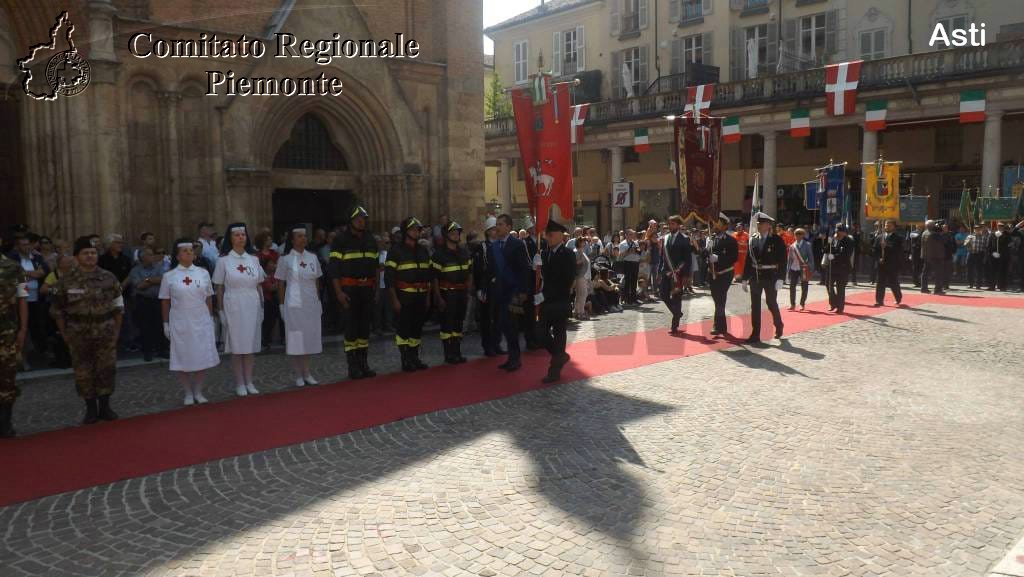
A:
(579, 116)
(841, 87)
(698, 100)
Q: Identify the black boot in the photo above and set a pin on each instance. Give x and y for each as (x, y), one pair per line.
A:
(365, 363)
(355, 368)
(449, 351)
(91, 412)
(414, 359)
(6, 428)
(457, 350)
(105, 412)
(407, 364)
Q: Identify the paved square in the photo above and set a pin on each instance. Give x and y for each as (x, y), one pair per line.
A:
(886, 445)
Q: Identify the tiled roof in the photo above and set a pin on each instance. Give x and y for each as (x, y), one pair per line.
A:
(547, 8)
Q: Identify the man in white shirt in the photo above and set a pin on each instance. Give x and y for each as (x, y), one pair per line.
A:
(629, 253)
(210, 249)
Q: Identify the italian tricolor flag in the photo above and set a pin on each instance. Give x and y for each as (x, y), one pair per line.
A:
(731, 129)
(972, 106)
(640, 140)
(874, 118)
(800, 122)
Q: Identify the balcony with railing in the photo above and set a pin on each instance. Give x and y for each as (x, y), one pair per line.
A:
(953, 64)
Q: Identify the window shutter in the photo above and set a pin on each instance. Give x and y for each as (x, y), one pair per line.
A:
(707, 7)
(789, 37)
(772, 57)
(675, 52)
(737, 54)
(673, 10)
(643, 70)
(614, 25)
(643, 13)
(831, 29)
(556, 54)
(880, 43)
(706, 45)
(617, 89)
(581, 62)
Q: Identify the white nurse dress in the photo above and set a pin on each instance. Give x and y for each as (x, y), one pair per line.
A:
(302, 309)
(241, 275)
(193, 344)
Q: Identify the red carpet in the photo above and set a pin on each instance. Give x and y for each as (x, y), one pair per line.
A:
(75, 458)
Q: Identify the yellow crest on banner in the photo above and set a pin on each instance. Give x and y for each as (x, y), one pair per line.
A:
(882, 189)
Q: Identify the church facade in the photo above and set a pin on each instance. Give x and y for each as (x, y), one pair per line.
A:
(144, 148)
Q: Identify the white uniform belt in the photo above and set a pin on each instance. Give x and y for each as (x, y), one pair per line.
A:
(725, 269)
(764, 266)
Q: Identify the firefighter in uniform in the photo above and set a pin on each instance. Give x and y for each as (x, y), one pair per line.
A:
(13, 327)
(723, 251)
(87, 307)
(766, 258)
(453, 283)
(408, 274)
(353, 271)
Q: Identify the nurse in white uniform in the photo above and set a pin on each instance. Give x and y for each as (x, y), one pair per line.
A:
(299, 295)
(186, 301)
(237, 277)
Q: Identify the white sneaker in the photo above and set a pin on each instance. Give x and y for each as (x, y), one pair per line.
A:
(240, 391)
(299, 382)
(201, 399)
(189, 400)
(310, 380)
(252, 389)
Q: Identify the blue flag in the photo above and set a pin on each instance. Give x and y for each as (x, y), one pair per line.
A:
(811, 195)
(831, 196)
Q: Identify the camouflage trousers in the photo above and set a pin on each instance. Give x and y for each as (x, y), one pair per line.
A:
(8, 369)
(93, 347)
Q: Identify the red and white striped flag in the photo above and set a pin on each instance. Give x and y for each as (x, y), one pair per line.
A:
(841, 87)
(698, 99)
(579, 116)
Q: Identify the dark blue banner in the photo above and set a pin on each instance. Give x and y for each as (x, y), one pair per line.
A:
(831, 196)
(811, 195)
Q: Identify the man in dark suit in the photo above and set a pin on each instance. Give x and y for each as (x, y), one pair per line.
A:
(723, 250)
(676, 251)
(888, 252)
(509, 266)
(840, 262)
(558, 271)
(529, 318)
(766, 259)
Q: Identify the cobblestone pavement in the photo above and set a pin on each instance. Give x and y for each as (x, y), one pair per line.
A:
(887, 445)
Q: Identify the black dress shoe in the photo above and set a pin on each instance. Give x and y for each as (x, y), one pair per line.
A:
(505, 365)
(554, 375)
(752, 340)
(778, 333)
(715, 332)
(512, 367)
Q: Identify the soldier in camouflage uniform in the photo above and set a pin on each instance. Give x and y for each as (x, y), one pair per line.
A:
(87, 307)
(13, 326)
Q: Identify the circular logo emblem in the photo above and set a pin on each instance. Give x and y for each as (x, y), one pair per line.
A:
(68, 73)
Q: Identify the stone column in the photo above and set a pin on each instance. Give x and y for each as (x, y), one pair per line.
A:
(618, 214)
(769, 197)
(505, 185)
(106, 125)
(992, 151)
(170, 109)
(868, 154)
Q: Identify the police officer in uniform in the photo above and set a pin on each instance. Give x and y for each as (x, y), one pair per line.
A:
(676, 257)
(353, 271)
(723, 250)
(558, 274)
(840, 262)
(453, 283)
(408, 274)
(766, 259)
(87, 307)
(13, 328)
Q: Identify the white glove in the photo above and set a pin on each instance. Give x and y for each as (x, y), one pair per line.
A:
(283, 310)
(481, 296)
(999, 233)
(714, 258)
(831, 257)
(223, 316)
(746, 286)
(778, 285)
(538, 298)
(167, 330)
(708, 243)
(995, 255)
